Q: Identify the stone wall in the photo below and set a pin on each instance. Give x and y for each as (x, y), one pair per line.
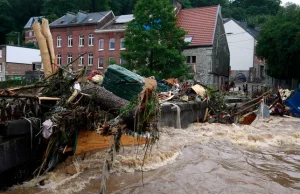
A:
(190, 112)
(203, 63)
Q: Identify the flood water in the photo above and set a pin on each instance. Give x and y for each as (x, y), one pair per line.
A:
(205, 158)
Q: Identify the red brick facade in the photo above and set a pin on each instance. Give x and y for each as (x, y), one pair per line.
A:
(76, 50)
(30, 37)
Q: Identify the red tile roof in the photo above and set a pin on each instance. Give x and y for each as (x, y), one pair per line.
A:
(199, 23)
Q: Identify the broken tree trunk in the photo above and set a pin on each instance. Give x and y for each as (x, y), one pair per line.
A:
(43, 48)
(47, 34)
(106, 99)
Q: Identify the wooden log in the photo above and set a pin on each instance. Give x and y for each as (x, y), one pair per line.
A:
(27, 87)
(43, 48)
(47, 34)
(90, 140)
(104, 98)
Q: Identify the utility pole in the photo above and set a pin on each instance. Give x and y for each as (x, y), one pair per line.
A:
(18, 38)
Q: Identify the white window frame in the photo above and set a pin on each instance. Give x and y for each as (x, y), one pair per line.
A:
(30, 34)
(59, 59)
(0, 53)
(70, 58)
(101, 41)
(81, 60)
(100, 67)
(90, 59)
(91, 39)
(70, 41)
(58, 41)
(112, 40)
(81, 40)
(122, 44)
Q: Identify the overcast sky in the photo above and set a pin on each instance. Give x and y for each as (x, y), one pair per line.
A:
(294, 1)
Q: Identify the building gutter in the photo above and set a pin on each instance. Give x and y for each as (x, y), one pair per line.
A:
(109, 30)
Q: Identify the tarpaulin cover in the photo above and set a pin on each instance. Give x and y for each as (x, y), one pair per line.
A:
(293, 102)
(122, 82)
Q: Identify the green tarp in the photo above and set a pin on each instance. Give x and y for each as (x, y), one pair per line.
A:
(122, 82)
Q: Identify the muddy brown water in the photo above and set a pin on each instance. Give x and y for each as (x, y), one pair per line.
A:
(205, 158)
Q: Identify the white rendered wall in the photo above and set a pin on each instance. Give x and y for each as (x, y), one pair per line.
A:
(241, 46)
(22, 55)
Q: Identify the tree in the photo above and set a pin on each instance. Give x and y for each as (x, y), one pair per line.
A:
(279, 43)
(7, 21)
(154, 42)
(100, 5)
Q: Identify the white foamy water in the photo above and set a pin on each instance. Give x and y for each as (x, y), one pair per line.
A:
(208, 157)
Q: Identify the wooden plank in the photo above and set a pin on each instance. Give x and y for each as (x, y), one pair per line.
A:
(90, 140)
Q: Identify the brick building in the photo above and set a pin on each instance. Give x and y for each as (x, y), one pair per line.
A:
(15, 61)
(99, 35)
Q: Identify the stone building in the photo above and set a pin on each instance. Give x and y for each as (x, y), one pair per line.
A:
(15, 61)
(207, 51)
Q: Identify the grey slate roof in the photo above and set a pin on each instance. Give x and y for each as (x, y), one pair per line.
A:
(30, 22)
(254, 32)
(79, 18)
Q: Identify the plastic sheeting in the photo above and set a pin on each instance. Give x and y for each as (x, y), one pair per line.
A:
(122, 82)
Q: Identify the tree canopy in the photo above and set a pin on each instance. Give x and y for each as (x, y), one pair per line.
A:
(154, 42)
(279, 43)
(15, 13)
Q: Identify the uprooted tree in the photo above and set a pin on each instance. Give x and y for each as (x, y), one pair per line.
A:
(154, 42)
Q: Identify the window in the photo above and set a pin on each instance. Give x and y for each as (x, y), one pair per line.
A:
(90, 59)
(91, 40)
(59, 59)
(69, 58)
(30, 34)
(81, 60)
(191, 59)
(100, 63)
(0, 67)
(101, 44)
(122, 45)
(58, 41)
(111, 60)
(122, 61)
(81, 40)
(112, 44)
(0, 53)
(70, 41)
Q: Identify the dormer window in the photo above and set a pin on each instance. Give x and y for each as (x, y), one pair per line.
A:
(188, 39)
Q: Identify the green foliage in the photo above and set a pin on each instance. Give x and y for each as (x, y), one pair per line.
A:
(279, 43)
(154, 42)
(30, 45)
(15, 83)
(258, 20)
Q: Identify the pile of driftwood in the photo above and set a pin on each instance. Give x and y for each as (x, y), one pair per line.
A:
(67, 102)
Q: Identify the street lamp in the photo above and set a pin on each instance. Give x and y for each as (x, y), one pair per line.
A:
(219, 38)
